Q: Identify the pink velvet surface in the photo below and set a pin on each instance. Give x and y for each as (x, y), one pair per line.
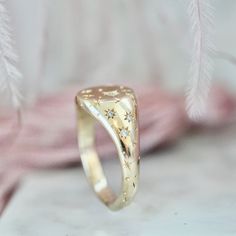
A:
(47, 136)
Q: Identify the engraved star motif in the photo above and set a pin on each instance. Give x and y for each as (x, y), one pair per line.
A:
(88, 95)
(127, 164)
(124, 199)
(128, 116)
(97, 102)
(124, 132)
(110, 113)
(86, 91)
(117, 100)
(126, 155)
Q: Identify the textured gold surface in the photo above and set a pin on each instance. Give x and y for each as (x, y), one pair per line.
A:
(115, 107)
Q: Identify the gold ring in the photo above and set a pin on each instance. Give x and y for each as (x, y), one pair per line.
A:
(115, 107)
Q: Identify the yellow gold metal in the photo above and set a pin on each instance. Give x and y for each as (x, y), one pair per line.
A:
(115, 107)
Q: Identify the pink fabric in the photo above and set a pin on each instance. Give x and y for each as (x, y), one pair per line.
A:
(47, 137)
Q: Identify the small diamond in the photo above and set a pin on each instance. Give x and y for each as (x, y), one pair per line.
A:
(110, 113)
(128, 116)
(124, 132)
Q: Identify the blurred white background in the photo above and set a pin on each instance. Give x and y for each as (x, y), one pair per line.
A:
(91, 42)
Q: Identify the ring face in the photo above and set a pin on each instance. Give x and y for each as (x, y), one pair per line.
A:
(115, 107)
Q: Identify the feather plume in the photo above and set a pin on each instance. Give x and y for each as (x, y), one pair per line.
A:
(9, 74)
(201, 14)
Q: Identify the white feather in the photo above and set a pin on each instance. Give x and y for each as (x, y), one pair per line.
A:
(9, 74)
(201, 14)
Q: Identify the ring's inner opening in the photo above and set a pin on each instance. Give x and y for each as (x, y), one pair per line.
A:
(108, 157)
(90, 157)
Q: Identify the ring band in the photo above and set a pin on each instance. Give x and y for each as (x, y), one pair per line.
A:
(115, 107)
